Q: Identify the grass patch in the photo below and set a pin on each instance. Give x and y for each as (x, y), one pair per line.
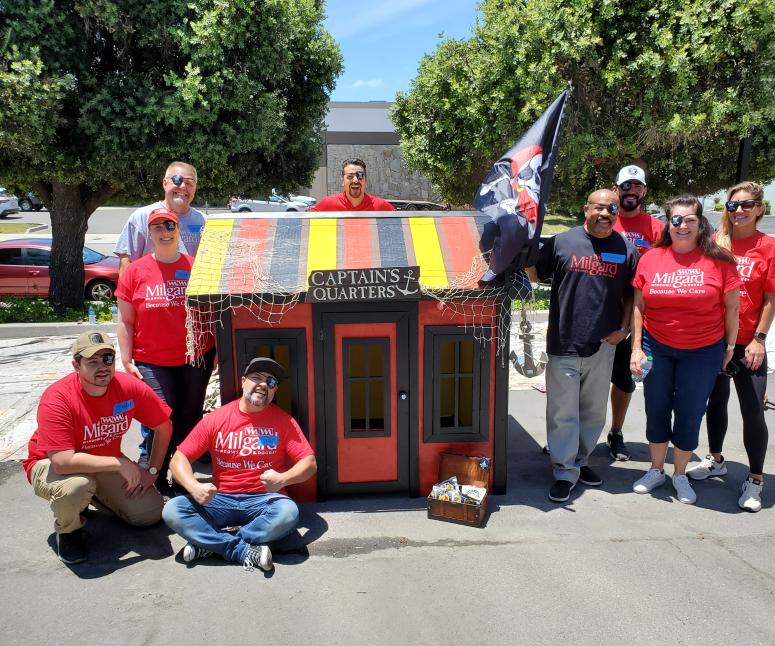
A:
(37, 310)
(559, 223)
(540, 300)
(16, 227)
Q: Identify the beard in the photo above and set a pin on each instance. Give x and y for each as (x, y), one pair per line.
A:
(630, 202)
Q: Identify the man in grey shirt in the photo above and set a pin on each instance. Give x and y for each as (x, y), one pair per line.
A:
(179, 186)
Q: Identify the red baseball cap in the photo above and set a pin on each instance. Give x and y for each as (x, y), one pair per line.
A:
(162, 214)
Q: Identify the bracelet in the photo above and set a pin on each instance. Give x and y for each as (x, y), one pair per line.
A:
(730, 346)
(624, 331)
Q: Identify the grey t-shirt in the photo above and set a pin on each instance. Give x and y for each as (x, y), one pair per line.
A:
(134, 241)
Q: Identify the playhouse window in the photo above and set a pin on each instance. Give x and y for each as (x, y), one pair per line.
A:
(366, 382)
(455, 393)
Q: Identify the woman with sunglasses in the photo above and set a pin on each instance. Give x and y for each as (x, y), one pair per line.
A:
(755, 255)
(685, 318)
(152, 330)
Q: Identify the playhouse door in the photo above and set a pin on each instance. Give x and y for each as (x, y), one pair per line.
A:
(366, 401)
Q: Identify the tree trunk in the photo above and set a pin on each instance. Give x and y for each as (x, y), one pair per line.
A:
(69, 218)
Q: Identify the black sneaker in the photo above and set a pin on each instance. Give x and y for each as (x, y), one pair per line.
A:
(71, 547)
(560, 490)
(589, 477)
(617, 448)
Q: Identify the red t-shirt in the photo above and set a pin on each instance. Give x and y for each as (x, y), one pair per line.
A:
(69, 418)
(684, 296)
(245, 445)
(756, 266)
(641, 230)
(157, 292)
(339, 202)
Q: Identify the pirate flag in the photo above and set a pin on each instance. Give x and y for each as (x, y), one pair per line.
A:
(515, 191)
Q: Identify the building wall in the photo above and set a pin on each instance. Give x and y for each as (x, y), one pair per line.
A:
(388, 176)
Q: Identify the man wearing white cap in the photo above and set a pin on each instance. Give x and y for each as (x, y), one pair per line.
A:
(642, 231)
(75, 454)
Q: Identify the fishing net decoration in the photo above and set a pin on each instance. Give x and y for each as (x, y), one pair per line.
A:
(486, 313)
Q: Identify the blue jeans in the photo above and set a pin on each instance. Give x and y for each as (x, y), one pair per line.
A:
(680, 382)
(183, 389)
(264, 518)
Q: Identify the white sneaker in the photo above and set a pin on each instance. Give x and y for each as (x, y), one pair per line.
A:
(751, 499)
(683, 490)
(707, 468)
(258, 556)
(653, 479)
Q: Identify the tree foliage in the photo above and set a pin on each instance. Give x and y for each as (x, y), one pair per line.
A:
(98, 96)
(673, 85)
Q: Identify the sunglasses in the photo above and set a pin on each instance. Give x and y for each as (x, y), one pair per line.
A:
(746, 205)
(359, 174)
(612, 208)
(107, 359)
(626, 186)
(270, 381)
(177, 180)
(731, 370)
(169, 225)
(678, 220)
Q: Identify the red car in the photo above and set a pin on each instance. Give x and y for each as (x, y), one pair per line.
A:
(24, 270)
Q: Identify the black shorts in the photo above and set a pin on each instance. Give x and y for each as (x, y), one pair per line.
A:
(621, 377)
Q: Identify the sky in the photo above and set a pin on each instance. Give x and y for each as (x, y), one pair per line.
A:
(382, 41)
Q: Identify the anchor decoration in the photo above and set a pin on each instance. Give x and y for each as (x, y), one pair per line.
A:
(528, 367)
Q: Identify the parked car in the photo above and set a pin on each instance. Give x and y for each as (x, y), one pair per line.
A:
(292, 197)
(417, 205)
(262, 204)
(24, 270)
(30, 202)
(8, 203)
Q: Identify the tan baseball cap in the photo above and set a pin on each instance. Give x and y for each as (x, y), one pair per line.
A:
(88, 343)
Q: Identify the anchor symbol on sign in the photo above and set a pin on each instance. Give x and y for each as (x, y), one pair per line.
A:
(528, 367)
(406, 291)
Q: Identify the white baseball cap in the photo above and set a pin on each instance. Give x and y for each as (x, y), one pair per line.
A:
(629, 173)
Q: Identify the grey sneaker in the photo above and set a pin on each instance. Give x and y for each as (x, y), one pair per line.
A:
(751, 498)
(257, 556)
(683, 490)
(651, 480)
(192, 552)
(707, 468)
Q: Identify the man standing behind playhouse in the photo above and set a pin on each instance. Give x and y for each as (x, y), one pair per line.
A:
(179, 184)
(589, 314)
(353, 196)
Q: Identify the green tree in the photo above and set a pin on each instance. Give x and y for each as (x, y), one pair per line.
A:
(98, 96)
(674, 85)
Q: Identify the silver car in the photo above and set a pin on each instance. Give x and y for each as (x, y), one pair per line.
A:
(264, 204)
(8, 203)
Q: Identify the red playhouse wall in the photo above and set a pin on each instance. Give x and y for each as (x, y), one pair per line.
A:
(299, 316)
(429, 458)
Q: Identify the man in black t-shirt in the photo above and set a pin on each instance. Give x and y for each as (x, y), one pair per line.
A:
(589, 313)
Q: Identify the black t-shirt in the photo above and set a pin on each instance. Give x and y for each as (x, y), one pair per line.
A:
(591, 278)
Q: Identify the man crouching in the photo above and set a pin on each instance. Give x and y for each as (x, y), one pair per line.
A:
(249, 440)
(75, 454)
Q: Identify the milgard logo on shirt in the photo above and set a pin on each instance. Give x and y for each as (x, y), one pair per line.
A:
(595, 265)
(104, 431)
(168, 294)
(680, 281)
(248, 441)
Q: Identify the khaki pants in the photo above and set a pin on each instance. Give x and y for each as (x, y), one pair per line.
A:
(70, 494)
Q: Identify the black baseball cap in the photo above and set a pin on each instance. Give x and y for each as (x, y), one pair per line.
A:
(264, 364)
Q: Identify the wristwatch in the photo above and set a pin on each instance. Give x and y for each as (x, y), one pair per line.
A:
(152, 470)
(730, 346)
(762, 336)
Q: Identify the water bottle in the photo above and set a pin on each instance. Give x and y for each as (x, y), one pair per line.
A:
(92, 315)
(114, 313)
(645, 366)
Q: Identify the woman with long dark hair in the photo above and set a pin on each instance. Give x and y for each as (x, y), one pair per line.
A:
(685, 319)
(755, 255)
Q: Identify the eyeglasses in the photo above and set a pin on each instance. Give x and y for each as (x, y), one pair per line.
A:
(177, 180)
(678, 220)
(612, 208)
(270, 381)
(626, 186)
(359, 174)
(167, 225)
(107, 359)
(746, 205)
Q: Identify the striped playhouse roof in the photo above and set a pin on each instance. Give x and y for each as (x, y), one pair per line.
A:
(277, 252)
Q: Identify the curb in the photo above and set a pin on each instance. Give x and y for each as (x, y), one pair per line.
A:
(32, 330)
